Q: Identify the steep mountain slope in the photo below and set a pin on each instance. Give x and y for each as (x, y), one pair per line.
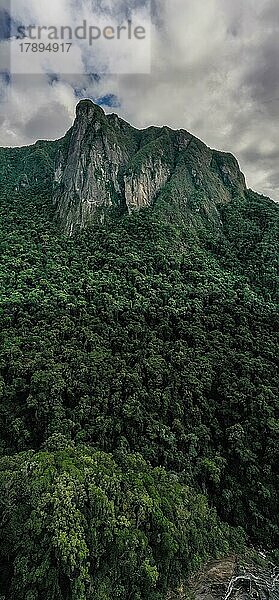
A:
(103, 162)
(138, 357)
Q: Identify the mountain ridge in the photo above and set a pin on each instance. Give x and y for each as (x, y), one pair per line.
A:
(103, 162)
(142, 164)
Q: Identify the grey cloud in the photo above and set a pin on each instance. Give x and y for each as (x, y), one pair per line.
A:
(263, 78)
(215, 72)
(269, 14)
(50, 121)
(255, 154)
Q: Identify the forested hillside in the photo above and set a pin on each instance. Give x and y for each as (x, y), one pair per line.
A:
(139, 407)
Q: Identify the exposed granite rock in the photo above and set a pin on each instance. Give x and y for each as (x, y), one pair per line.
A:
(233, 578)
(88, 177)
(212, 583)
(228, 170)
(103, 162)
(141, 188)
(109, 163)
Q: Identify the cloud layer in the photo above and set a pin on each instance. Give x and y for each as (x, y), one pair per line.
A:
(215, 72)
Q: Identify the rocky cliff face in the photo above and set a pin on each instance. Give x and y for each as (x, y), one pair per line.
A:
(87, 176)
(233, 578)
(103, 162)
(109, 163)
(238, 579)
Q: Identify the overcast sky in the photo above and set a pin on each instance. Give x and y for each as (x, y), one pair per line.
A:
(214, 71)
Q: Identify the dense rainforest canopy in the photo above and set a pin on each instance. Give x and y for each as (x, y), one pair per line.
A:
(139, 409)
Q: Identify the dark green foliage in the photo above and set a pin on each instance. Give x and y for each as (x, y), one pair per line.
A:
(152, 340)
(79, 525)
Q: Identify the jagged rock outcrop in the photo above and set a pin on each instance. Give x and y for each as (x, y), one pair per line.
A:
(103, 162)
(88, 175)
(142, 188)
(109, 163)
(233, 578)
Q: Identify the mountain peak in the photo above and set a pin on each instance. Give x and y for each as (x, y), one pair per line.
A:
(88, 109)
(103, 162)
(110, 163)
